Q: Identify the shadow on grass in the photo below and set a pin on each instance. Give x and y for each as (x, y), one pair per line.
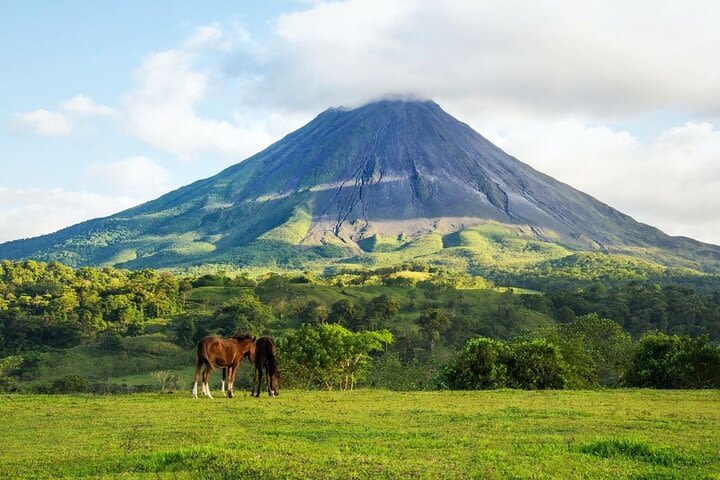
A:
(203, 462)
(640, 451)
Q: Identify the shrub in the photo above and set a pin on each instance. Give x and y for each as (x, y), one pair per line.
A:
(673, 361)
(389, 371)
(110, 342)
(69, 384)
(167, 381)
(135, 328)
(481, 364)
(484, 363)
(536, 365)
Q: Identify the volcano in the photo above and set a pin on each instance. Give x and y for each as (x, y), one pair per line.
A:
(355, 182)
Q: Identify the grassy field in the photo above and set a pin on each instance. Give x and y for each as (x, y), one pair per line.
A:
(365, 434)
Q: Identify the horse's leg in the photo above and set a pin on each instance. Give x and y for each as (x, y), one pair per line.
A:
(224, 376)
(230, 377)
(267, 377)
(198, 365)
(204, 375)
(258, 381)
(206, 382)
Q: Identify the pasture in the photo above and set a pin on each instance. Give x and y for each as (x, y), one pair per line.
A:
(364, 434)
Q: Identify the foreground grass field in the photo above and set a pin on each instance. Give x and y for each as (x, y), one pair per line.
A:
(365, 434)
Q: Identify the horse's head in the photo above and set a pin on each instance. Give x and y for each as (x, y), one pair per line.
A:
(274, 384)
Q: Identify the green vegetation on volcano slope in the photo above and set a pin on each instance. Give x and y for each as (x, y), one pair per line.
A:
(365, 434)
(506, 254)
(513, 255)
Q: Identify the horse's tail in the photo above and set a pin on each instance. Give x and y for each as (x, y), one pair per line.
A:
(202, 356)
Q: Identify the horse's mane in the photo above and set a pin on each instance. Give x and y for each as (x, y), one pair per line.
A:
(243, 336)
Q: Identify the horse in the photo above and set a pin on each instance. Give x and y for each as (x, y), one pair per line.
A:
(213, 352)
(266, 357)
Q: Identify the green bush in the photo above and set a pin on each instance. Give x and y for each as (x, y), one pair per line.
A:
(69, 384)
(481, 364)
(391, 372)
(484, 363)
(110, 342)
(185, 331)
(536, 365)
(674, 361)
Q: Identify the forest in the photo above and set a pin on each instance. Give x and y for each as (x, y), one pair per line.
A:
(407, 328)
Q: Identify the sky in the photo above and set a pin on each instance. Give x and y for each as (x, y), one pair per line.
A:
(105, 105)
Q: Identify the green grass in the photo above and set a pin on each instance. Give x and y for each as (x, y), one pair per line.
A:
(365, 434)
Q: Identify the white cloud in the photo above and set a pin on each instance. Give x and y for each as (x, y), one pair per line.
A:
(82, 105)
(43, 122)
(139, 176)
(670, 181)
(207, 35)
(542, 79)
(28, 213)
(593, 56)
(163, 108)
(62, 122)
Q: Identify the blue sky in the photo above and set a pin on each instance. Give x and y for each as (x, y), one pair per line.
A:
(104, 105)
(53, 51)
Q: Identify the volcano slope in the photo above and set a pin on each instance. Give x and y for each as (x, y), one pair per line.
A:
(390, 181)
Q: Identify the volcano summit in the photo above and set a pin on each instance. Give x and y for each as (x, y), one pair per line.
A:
(352, 183)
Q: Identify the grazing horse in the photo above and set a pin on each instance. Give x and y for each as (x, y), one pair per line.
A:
(266, 357)
(227, 353)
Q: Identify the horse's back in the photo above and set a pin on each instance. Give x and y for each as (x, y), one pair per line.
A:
(221, 352)
(267, 344)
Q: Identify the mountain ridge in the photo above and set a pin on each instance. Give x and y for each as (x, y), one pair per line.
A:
(392, 169)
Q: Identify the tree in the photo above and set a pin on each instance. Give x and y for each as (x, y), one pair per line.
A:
(380, 310)
(329, 355)
(243, 314)
(672, 361)
(595, 349)
(606, 342)
(432, 323)
(343, 312)
(313, 312)
(536, 365)
(185, 329)
(481, 364)
(565, 314)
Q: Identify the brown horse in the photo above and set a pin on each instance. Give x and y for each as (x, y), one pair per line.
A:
(266, 357)
(227, 353)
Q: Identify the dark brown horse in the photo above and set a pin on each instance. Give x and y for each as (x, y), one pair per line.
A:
(266, 358)
(226, 353)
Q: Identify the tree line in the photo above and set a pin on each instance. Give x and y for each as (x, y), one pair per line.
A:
(600, 337)
(637, 306)
(52, 305)
(588, 352)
